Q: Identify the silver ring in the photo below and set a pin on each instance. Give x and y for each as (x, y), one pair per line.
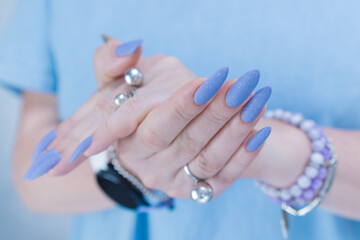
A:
(120, 98)
(134, 77)
(189, 173)
(201, 191)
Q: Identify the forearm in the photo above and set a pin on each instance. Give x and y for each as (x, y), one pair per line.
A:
(287, 152)
(73, 193)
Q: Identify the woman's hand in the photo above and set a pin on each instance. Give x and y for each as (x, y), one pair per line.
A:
(217, 134)
(216, 138)
(162, 77)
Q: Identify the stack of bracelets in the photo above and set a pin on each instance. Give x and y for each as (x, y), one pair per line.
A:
(312, 185)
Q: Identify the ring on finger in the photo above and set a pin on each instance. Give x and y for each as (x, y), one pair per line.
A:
(202, 191)
(134, 78)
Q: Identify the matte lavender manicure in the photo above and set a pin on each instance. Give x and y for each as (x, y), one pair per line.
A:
(44, 143)
(258, 139)
(242, 88)
(127, 48)
(80, 149)
(41, 166)
(211, 86)
(256, 104)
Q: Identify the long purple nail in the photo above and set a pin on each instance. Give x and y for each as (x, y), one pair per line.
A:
(211, 86)
(258, 139)
(127, 48)
(80, 149)
(256, 104)
(44, 143)
(41, 166)
(242, 88)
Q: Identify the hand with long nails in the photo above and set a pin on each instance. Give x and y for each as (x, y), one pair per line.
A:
(206, 123)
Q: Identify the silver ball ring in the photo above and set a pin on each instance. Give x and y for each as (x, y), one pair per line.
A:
(134, 77)
(202, 191)
(120, 98)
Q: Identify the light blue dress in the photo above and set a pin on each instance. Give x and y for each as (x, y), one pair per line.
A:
(308, 51)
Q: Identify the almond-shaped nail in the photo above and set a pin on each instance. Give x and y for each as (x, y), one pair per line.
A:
(127, 48)
(258, 139)
(256, 104)
(43, 144)
(43, 164)
(242, 88)
(80, 149)
(211, 86)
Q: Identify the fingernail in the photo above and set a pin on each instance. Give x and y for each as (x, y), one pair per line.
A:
(80, 149)
(127, 48)
(256, 104)
(41, 166)
(211, 86)
(242, 88)
(258, 139)
(43, 144)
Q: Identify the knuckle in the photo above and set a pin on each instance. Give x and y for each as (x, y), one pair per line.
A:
(151, 138)
(156, 59)
(157, 56)
(209, 166)
(72, 140)
(171, 60)
(181, 110)
(187, 145)
(130, 105)
(216, 117)
(65, 127)
(104, 107)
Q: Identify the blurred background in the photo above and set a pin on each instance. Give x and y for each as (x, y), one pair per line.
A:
(15, 221)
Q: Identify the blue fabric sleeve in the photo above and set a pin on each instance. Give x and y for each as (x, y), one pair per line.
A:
(25, 58)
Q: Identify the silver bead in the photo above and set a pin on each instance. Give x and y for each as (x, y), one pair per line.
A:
(296, 119)
(134, 77)
(317, 158)
(307, 125)
(202, 192)
(295, 190)
(304, 182)
(285, 194)
(287, 115)
(317, 146)
(311, 172)
(120, 98)
(279, 113)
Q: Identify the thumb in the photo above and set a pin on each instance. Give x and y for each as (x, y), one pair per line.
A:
(113, 58)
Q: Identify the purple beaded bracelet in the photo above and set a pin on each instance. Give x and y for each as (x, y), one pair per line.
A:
(310, 187)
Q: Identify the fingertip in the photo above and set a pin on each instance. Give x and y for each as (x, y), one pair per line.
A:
(258, 139)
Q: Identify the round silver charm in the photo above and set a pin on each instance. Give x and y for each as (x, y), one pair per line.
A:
(202, 192)
(134, 77)
(120, 98)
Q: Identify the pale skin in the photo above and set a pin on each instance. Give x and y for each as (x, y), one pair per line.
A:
(217, 151)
